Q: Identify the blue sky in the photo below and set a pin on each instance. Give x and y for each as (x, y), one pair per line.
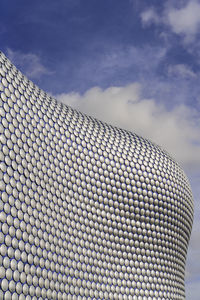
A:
(132, 63)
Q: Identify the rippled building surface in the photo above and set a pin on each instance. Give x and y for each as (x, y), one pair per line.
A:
(87, 210)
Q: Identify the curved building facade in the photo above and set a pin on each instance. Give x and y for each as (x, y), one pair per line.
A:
(87, 210)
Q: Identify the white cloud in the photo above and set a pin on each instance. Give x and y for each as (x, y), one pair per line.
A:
(28, 63)
(176, 130)
(181, 70)
(183, 21)
(149, 16)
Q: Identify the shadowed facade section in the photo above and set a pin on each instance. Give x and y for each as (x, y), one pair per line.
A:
(87, 210)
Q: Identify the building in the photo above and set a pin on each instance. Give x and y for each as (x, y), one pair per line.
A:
(87, 210)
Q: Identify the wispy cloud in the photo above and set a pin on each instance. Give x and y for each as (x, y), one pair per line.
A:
(28, 63)
(183, 21)
(181, 70)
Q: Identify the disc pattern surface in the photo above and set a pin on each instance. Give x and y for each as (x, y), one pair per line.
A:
(87, 210)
